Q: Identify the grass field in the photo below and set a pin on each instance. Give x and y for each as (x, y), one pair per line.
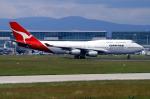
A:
(35, 65)
(78, 90)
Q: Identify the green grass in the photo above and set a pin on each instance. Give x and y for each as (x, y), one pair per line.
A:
(35, 65)
(78, 90)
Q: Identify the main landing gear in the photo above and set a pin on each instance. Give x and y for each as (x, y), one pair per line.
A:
(128, 56)
(79, 56)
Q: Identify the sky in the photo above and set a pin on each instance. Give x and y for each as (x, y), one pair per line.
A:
(118, 11)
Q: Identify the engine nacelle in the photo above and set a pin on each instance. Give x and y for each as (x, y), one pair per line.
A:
(75, 52)
(92, 53)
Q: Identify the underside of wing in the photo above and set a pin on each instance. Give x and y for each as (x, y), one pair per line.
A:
(83, 50)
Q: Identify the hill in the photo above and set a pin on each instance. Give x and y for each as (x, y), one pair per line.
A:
(71, 23)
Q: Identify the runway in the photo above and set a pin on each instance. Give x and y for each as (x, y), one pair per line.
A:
(79, 77)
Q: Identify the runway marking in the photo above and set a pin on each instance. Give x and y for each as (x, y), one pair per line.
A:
(80, 77)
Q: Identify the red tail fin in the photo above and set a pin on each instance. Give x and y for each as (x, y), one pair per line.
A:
(20, 34)
(23, 36)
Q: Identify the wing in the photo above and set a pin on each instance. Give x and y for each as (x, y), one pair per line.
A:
(83, 50)
(21, 44)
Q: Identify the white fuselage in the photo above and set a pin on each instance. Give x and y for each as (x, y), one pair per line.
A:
(106, 46)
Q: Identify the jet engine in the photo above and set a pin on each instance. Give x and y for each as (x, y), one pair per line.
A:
(75, 52)
(92, 53)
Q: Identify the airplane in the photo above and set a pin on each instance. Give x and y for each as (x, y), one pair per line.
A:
(80, 49)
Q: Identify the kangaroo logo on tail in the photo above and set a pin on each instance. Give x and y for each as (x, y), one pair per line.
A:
(24, 35)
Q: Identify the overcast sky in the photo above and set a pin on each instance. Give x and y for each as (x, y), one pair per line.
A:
(118, 11)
